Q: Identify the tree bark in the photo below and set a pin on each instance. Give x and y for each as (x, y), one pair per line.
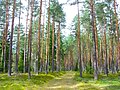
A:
(11, 38)
(39, 28)
(101, 55)
(30, 40)
(4, 42)
(25, 40)
(18, 42)
(58, 48)
(105, 50)
(79, 42)
(117, 34)
(94, 40)
(47, 41)
(53, 34)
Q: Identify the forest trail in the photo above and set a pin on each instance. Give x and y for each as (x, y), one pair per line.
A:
(65, 82)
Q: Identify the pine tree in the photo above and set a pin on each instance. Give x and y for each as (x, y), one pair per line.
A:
(30, 40)
(18, 41)
(11, 38)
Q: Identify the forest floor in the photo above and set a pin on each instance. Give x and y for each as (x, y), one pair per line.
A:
(60, 81)
(72, 81)
(21, 81)
(65, 82)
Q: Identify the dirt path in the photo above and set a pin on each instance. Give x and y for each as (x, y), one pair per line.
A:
(65, 82)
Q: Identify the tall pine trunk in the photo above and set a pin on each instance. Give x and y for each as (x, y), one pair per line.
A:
(42, 41)
(47, 41)
(111, 42)
(39, 28)
(25, 40)
(117, 34)
(30, 40)
(94, 40)
(18, 42)
(58, 48)
(53, 38)
(105, 50)
(42, 49)
(79, 42)
(11, 38)
(101, 55)
(4, 41)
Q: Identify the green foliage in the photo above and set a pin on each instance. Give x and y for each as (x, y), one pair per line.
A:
(89, 69)
(20, 63)
(85, 19)
(21, 81)
(76, 67)
(56, 10)
(2, 61)
(68, 42)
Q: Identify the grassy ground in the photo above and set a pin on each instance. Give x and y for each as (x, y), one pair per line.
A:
(72, 81)
(60, 81)
(112, 82)
(65, 82)
(21, 82)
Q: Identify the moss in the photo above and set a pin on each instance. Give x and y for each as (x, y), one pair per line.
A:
(21, 82)
(110, 82)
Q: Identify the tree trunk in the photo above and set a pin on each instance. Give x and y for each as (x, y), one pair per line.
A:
(71, 59)
(42, 48)
(101, 56)
(30, 40)
(58, 48)
(94, 40)
(53, 34)
(4, 42)
(112, 56)
(18, 42)
(109, 56)
(89, 53)
(11, 38)
(47, 41)
(111, 42)
(105, 51)
(117, 34)
(79, 42)
(39, 28)
(25, 40)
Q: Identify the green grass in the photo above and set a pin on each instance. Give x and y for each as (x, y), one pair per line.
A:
(21, 82)
(112, 82)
